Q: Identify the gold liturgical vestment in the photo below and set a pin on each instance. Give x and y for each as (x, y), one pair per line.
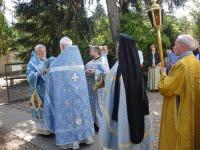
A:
(180, 122)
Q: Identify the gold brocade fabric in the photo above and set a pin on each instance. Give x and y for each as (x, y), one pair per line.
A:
(180, 124)
(35, 100)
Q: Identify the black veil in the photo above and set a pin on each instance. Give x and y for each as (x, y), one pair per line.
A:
(137, 103)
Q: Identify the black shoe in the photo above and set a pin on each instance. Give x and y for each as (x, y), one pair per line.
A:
(96, 128)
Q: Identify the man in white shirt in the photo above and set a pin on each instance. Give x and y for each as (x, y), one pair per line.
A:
(140, 56)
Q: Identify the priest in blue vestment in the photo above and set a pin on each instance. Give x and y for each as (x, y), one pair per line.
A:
(36, 72)
(126, 112)
(96, 70)
(67, 111)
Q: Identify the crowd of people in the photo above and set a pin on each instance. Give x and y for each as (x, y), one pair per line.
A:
(74, 101)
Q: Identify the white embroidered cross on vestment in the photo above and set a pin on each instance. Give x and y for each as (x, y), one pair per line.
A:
(75, 77)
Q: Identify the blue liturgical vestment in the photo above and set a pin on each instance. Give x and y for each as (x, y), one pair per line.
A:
(36, 81)
(116, 135)
(67, 110)
(101, 68)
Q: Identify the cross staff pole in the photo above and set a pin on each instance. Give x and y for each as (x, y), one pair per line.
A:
(156, 20)
(160, 47)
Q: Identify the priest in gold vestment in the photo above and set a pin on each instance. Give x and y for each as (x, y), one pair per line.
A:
(180, 122)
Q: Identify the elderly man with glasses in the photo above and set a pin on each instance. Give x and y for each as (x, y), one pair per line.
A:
(180, 123)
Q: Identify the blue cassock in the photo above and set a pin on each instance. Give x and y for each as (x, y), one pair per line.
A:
(67, 110)
(116, 135)
(36, 82)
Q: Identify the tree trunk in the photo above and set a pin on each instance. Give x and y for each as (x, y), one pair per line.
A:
(113, 14)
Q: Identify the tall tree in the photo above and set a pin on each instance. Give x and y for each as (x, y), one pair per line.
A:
(115, 7)
(113, 14)
(5, 31)
(101, 32)
(46, 21)
(196, 16)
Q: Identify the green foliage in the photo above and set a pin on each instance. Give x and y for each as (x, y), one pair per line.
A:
(6, 33)
(196, 16)
(171, 27)
(140, 28)
(185, 25)
(101, 33)
(46, 21)
(99, 11)
(102, 36)
(174, 27)
(2, 29)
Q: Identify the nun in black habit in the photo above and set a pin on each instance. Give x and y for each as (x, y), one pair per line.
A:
(126, 112)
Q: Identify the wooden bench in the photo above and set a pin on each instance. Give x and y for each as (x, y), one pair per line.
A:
(12, 78)
(15, 71)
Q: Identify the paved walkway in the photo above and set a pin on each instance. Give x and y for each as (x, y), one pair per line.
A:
(16, 125)
(19, 124)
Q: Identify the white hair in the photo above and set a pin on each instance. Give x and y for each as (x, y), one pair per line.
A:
(65, 42)
(188, 40)
(38, 47)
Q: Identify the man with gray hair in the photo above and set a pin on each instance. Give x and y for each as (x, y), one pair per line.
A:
(180, 123)
(40, 51)
(67, 110)
(36, 77)
(65, 42)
